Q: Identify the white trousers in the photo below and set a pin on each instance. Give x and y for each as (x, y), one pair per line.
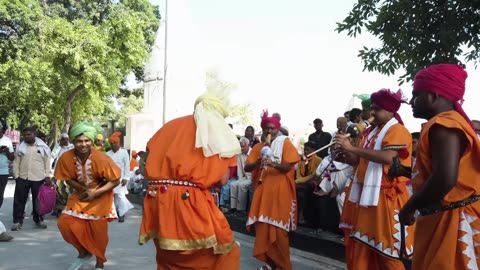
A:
(340, 200)
(239, 194)
(2, 228)
(122, 204)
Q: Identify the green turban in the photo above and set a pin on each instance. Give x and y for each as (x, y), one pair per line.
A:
(84, 128)
(365, 98)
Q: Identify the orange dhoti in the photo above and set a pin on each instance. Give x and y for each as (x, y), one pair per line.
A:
(271, 243)
(448, 239)
(197, 259)
(91, 235)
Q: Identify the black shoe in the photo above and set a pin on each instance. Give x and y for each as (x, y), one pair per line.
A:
(121, 219)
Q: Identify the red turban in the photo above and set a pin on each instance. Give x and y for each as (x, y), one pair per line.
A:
(269, 120)
(446, 80)
(115, 138)
(389, 101)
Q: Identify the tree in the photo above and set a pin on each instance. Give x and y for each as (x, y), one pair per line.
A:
(62, 60)
(415, 33)
(224, 89)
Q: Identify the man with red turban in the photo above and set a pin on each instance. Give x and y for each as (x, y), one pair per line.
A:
(374, 199)
(274, 204)
(121, 158)
(447, 174)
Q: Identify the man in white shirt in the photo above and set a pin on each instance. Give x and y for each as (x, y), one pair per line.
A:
(6, 157)
(31, 169)
(122, 159)
(63, 146)
(239, 189)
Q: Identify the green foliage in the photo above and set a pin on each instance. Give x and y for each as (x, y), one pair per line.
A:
(61, 61)
(415, 33)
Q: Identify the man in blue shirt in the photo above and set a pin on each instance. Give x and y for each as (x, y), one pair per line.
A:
(6, 157)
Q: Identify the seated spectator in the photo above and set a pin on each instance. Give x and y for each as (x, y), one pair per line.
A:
(225, 190)
(304, 177)
(334, 177)
(135, 185)
(239, 189)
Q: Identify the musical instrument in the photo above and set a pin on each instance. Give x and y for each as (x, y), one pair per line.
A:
(352, 132)
(266, 153)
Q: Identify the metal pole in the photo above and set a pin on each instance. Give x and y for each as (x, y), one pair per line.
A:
(165, 67)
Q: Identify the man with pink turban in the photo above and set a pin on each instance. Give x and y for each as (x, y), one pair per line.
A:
(447, 174)
(274, 204)
(370, 214)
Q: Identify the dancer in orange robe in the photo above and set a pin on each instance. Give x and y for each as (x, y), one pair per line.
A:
(187, 157)
(92, 175)
(376, 200)
(274, 206)
(447, 174)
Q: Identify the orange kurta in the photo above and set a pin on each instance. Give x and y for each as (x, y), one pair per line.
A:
(449, 239)
(133, 163)
(376, 230)
(84, 224)
(185, 228)
(274, 209)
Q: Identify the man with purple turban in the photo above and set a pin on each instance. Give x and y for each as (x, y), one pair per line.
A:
(374, 199)
(274, 204)
(446, 180)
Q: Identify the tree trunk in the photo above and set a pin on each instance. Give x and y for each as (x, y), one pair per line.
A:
(67, 111)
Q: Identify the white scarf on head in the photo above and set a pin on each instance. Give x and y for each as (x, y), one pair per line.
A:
(373, 177)
(42, 147)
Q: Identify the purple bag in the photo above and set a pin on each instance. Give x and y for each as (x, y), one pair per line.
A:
(46, 199)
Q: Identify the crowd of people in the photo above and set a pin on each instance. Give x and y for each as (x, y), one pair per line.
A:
(399, 198)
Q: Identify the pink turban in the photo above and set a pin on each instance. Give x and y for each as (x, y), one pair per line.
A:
(389, 101)
(446, 80)
(269, 120)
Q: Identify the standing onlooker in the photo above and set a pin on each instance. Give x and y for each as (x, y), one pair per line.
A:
(63, 146)
(120, 156)
(31, 168)
(283, 129)
(250, 135)
(320, 138)
(4, 237)
(6, 157)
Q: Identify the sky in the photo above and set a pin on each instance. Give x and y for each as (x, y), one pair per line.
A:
(283, 55)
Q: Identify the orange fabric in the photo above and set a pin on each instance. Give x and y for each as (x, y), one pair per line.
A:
(271, 243)
(97, 166)
(91, 235)
(197, 259)
(449, 239)
(276, 187)
(133, 164)
(366, 258)
(256, 150)
(115, 137)
(378, 227)
(274, 205)
(195, 223)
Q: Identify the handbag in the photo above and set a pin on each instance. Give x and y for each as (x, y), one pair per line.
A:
(46, 199)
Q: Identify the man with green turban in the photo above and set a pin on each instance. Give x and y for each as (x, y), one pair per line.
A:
(92, 176)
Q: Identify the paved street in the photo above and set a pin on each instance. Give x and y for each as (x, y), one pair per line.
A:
(45, 249)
